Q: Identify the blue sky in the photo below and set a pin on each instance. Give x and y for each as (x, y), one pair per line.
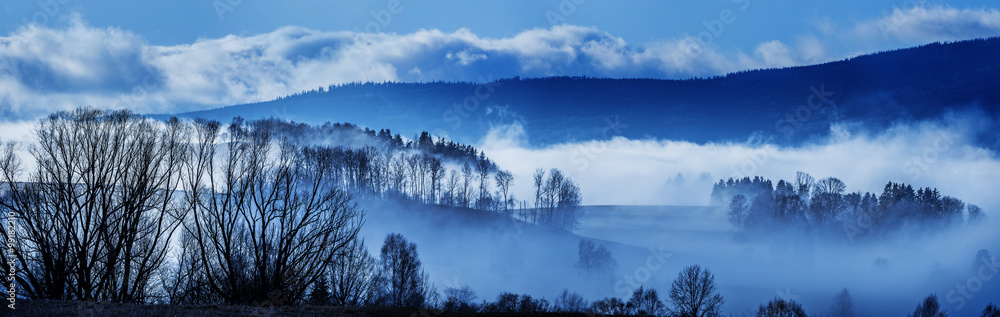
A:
(642, 21)
(166, 56)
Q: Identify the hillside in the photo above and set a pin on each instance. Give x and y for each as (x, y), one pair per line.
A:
(870, 91)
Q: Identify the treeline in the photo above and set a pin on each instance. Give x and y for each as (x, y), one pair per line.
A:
(117, 207)
(824, 205)
(431, 171)
(351, 135)
(692, 293)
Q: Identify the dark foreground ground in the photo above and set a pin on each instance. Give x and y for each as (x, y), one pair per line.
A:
(83, 308)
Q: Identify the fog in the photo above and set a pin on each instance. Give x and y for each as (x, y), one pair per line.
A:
(619, 171)
(652, 243)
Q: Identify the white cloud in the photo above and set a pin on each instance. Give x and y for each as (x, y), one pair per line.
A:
(924, 24)
(44, 70)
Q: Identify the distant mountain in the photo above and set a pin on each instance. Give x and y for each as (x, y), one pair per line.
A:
(870, 91)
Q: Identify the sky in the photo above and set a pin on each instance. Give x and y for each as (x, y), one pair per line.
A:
(172, 56)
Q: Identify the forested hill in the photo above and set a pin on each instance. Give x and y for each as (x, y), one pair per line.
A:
(872, 90)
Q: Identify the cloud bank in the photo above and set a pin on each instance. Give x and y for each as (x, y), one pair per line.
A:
(46, 69)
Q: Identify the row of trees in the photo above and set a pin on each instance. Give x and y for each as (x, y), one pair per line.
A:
(693, 293)
(352, 135)
(436, 172)
(825, 205)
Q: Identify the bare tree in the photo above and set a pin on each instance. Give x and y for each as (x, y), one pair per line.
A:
(354, 277)
(266, 219)
(779, 307)
(96, 215)
(570, 302)
(466, 184)
(451, 193)
(645, 302)
(504, 180)
(539, 178)
(594, 259)
(694, 293)
(460, 300)
(405, 282)
(803, 183)
(437, 173)
(483, 170)
(842, 306)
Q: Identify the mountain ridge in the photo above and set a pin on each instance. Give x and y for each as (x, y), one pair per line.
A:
(872, 91)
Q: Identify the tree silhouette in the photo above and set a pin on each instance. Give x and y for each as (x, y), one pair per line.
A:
(842, 305)
(405, 282)
(779, 307)
(695, 294)
(929, 308)
(594, 259)
(738, 212)
(991, 311)
(645, 302)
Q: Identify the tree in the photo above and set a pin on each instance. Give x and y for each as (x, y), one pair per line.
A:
(594, 259)
(842, 305)
(645, 302)
(539, 178)
(466, 184)
(929, 308)
(738, 211)
(506, 303)
(991, 311)
(354, 277)
(97, 212)
(437, 172)
(451, 193)
(695, 294)
(266, 219)
(320, 294)
(406, 283)
(570, 302)
(504, 180)
(610, 306)
(460, 300)
(781, 308)
(483, 170)
(803, 182)
(976, 215)
(827, 200)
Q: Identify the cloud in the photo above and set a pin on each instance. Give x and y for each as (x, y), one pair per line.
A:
(920, 24)
(44, 69)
